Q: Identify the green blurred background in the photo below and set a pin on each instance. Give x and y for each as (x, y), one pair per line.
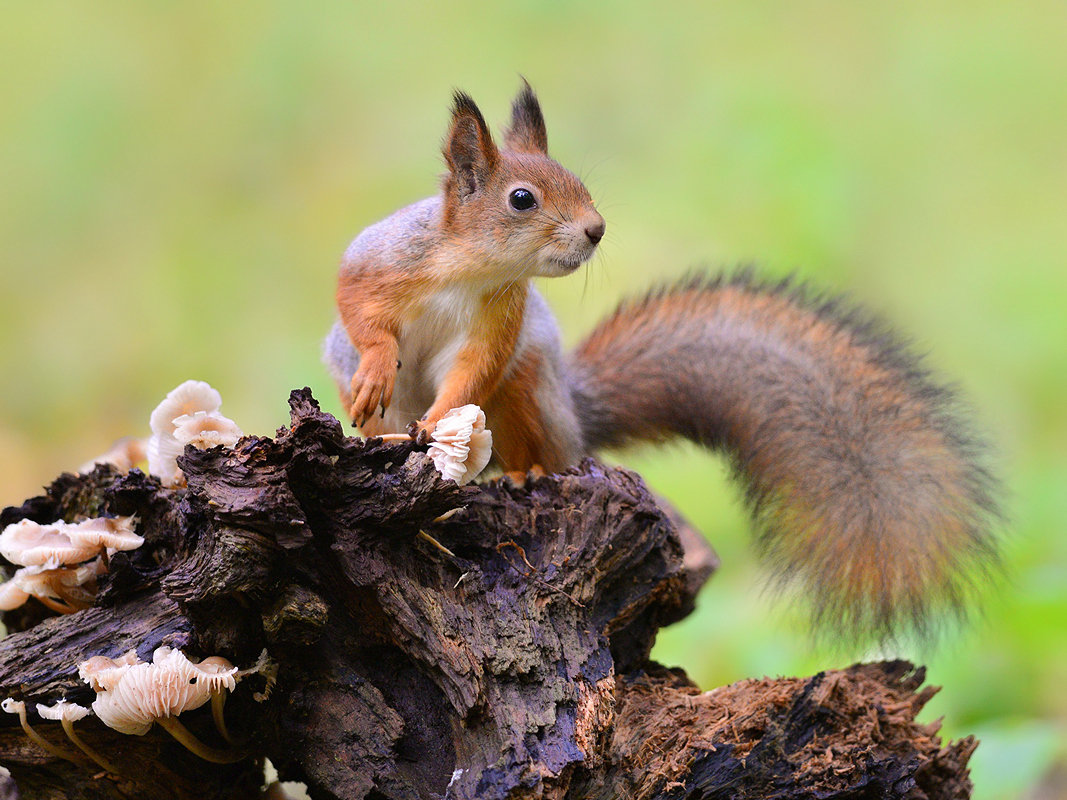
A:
(180, 179)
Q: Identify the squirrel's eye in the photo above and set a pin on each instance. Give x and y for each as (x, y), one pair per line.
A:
(522, 199)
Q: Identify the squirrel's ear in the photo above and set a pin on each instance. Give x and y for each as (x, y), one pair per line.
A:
(527, 133)
(469, 150)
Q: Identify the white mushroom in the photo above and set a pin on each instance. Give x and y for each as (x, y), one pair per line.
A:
(163, 452)
(187, 398)
(461, 445)
(206, 429)
(220, 676)
(103, 673)
(131, 697)
(67, 584)
(32, 545)
(68, 713)
(48, 554)
(11, 596)
(63, 710)
(163, 448)
(215, 674)
(112, 533)
(60, 589)
(12, 706)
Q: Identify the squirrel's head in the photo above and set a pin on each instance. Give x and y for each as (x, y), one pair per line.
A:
(515, 204)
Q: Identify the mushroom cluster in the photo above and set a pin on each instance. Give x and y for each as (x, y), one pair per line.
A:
(133, 695)
(60, 562)
(461, 445)
(189, 414)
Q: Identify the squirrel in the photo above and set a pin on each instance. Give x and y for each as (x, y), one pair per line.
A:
(863, 479)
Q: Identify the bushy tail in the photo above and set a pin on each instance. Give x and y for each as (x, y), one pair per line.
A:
(861, 475)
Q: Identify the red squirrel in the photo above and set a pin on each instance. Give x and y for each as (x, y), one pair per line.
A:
(862, 477)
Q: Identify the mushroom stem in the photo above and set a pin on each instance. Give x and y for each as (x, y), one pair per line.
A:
(184, 736)
(43, 743)
(55, 605)
(71, 600)
(68, 726)
(218, 703)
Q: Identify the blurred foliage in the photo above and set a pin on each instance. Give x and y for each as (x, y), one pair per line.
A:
(179, 180)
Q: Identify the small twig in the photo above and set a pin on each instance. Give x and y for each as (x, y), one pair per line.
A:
(449, 514)
(426, 537)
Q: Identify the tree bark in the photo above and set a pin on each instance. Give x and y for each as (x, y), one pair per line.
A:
(430, 640)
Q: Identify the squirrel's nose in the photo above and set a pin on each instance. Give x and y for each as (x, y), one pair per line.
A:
(595, 230)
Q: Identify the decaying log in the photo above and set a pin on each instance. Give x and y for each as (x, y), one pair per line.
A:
(432, 640)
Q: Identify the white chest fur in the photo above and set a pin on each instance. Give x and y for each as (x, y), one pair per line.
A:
(429, 343)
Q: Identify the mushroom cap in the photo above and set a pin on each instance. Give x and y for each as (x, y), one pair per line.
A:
(461, 445)
(186, 398)
(103, 673)
(206, 429)
(132, 696)
(163, 448)
(217, 673)
(13, 706)
(114, 533)
(121, 709)
(12, 595)
(37, 581)
(30, 544)
(144, 693)
(45, 582)
(163, 451)
(63, 710)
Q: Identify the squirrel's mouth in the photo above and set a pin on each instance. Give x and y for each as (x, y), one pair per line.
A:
(568, 262)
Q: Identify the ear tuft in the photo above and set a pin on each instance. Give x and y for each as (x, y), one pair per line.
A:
(469, 150)
(527, 133)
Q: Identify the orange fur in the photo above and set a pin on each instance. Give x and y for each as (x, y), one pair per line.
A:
(520, 442)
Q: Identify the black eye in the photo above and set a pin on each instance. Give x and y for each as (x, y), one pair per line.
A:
(522, 199)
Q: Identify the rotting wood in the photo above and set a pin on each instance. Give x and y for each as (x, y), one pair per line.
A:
(510, 661)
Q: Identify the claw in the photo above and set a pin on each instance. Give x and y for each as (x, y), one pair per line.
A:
(418, 433)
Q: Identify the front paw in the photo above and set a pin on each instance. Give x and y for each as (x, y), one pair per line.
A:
(372, 389)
